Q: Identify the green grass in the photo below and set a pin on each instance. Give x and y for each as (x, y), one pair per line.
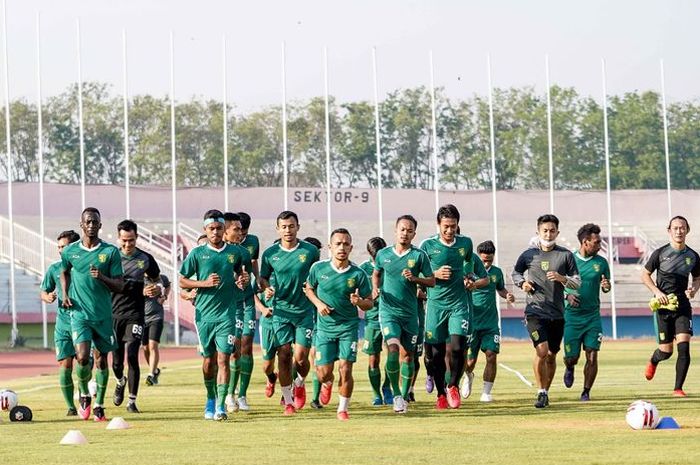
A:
(510, 430)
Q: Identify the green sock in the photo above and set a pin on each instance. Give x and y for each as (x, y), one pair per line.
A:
(317, 386)
(101, 378)
(448, 377)
(387, 381)
(246, 370)
(375, 379)
(406, 377)
(392, 370)
(210, 385)
(221, 390)
(84, 374)
(65, 380)
(235, 375)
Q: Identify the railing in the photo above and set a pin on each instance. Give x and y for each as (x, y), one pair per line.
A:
(188, 232)
(615, 251)
(27, 247)
(158, 244)
(647, 245)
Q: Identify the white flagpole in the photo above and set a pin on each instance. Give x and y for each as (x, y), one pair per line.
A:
(329, 200)
(225, 111)
(611, 256)
(285, 161)
(173, 174)
(666, 152)
(436, 178)
(127, 180)
(549, 136)
(8, 148)
(494, 185)
(380, 205)
(40, 158)
(80, 122)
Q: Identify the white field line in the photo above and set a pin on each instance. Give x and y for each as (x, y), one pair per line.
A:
(517, 373)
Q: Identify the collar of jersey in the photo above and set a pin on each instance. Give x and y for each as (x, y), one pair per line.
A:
(89, 249)
(289, 250)
(585, 259)
(337, 270)
(393, 249)
(211, 247)
(454, 241)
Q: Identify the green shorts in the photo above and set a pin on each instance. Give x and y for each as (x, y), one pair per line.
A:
(483, 340)
(582, 331)
(62, 339)
(374, 341)
(298, 330)
(332, 347)
(215, 337)
(268, 341)
(100, 333)
(248, 318)
(441, 324)
(403, 329)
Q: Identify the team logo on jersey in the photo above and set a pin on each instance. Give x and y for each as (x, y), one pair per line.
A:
(102, 258)
(596, 268)
(493, 278)
(140, 264)
(251, 249)
(544, 265)
(302, 258)
(231, 258)
(351, 282)
(535, 335)
(411, 263)
(462, 252)
(688, 261)
(429, 334)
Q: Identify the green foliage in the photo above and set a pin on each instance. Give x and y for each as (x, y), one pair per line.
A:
(255, 144)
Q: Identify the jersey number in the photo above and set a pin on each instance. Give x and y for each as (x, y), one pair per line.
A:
(137, 329)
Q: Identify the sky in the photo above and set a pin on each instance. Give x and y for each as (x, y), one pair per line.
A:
(632, 36)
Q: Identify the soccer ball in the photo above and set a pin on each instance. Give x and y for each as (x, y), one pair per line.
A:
(642, 415)
(8, 400)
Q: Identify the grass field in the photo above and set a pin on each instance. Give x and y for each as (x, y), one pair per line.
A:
(510, 430)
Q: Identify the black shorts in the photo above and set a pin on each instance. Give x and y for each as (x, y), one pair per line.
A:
(127, 330)
(668, 324)
(152, 332)
(545, 330)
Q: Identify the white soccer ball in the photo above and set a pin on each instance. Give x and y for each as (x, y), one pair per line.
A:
(642, 415)
(8, 400)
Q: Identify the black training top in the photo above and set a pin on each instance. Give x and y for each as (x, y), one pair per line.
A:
(129, 304)
(672, 270)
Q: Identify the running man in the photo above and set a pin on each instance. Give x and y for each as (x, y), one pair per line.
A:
(374, 343)
(152, 332)
(289, 263)
(673, 318)
(128, 312)
(219, 275)
(447, 311)
(549, 269)
(397, 274)
(582, 325)
(92, 271)
(65, 352)
(337, 288)
(486, 334)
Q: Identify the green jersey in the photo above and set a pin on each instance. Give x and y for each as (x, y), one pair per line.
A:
(476, 266)
(397, 295)
(371, 315)
(216, 304)
(448, 294)
(92, 299)
(52, 282)
(334, 287)
(485, 311)
(252, 244)
(591, 270)
(290, 268)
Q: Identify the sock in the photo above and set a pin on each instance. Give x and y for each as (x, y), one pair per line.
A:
(235, 375)
(487, 387)
(84, 375)
(406, 377)
(682, 363)
(541, 391)
(246, 363)
(132, 398)
(210, 385)
(221, 390)
(659, 356)
(586, 391)
(65, 380)
(271, 377)
(122, 381)
(387, 381)
(375, 379)
(343, 404)
(287, 394)
(299, 380)
(101, 377)
(317, 387)
(392, 371)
